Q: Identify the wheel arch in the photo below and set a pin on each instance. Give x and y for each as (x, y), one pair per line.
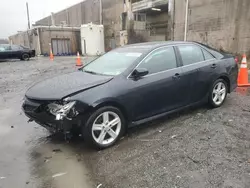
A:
(115, 104)
(227, 80)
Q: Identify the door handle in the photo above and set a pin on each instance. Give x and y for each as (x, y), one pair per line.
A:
(213, 66)
(176, 76)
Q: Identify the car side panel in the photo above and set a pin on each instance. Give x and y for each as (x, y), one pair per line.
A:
(3, 55)
(157, 93)
(207, 71)
(232, 72)
(16, 54)
(115, 91)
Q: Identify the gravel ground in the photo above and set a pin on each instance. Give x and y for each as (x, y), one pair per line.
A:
(198, 147)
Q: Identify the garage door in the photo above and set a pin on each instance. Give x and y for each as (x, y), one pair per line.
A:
(61, 47)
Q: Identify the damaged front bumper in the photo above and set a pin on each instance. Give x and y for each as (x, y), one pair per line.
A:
(54, 116)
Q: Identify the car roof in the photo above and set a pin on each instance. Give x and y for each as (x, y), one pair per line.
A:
(152, 45)
(146, 47)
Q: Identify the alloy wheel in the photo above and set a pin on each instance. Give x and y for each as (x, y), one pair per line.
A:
(219, 93)
(25, 57)
(106, 128)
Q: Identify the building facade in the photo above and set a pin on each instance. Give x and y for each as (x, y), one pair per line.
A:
(63, 40)
(125, 21)
(222, 24)
(106, 12)
(219, 23)
(145, 20)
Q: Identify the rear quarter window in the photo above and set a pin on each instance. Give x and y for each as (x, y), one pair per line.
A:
(207, 55)
(211, 50)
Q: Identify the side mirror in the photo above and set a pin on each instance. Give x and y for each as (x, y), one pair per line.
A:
(139, 72)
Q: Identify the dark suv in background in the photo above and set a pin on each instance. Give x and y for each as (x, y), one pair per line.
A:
(8, 51)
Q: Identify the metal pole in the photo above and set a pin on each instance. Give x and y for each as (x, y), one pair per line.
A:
(38, 42)
(28, 14)
(186, 21)
(100, 12)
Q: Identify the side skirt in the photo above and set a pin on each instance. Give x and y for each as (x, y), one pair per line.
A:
(145, 120)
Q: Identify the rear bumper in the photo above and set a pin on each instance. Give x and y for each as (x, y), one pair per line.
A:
(33, 53)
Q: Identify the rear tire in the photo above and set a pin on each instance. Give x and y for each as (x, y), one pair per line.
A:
(104, 127)
(25, 57)
(218, 93)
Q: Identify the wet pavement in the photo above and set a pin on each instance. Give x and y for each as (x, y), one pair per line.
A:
(198, 147)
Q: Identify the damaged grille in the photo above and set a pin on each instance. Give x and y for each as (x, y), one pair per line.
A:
(29, 108)
(34, 105)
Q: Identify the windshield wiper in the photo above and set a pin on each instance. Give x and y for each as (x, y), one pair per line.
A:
(91, 72)
(95, 73)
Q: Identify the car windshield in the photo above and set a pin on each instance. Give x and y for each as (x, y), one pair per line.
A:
(114, 62)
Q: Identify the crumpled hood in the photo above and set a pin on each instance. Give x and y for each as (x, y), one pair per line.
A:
(61, 86)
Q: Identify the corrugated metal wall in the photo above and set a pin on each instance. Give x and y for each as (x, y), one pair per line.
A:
(61, 47)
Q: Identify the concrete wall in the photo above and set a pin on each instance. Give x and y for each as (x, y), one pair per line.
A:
(220, 23)
(159, 24)
(160, 17)
(112, 10)
(76, 15)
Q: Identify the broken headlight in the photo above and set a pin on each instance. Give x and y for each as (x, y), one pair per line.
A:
(61, 111)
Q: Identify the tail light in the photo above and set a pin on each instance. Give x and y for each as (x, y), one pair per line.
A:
(236, 60)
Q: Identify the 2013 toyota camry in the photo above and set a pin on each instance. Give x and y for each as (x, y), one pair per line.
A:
(129, 86)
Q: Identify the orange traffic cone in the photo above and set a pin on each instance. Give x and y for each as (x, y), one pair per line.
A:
(78, 60)
(243, 73)
(51, 56)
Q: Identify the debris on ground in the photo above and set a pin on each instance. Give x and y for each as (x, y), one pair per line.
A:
(174, 136)
(27, 182)
(245, 110)
(195, 161)
(99, 185)
(12, 126)
(230, 120)
(160, 131)
(2, 178)
(57, 150)
(149, 140)
(59, 174)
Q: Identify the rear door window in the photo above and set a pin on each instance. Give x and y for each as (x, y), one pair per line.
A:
(190, 54)
(15, 47)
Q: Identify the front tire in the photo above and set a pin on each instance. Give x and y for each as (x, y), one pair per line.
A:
(104, 127)
(218, 93)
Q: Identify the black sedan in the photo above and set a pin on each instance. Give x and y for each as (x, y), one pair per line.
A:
(129, 86)
(16, 52)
